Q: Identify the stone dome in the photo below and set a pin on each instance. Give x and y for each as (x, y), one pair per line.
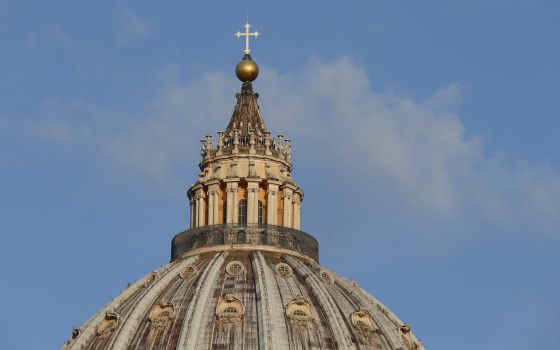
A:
(244, 295)
(244, 276)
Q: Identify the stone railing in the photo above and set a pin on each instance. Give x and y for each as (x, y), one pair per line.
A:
(265, 145)
(226, 235)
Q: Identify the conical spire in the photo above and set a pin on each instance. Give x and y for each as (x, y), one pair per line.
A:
(246, 118)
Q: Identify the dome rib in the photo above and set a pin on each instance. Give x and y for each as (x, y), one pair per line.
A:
(371, 306)
(88, 328)
(342, 336)
(270, 314)
(141, 309)
(191, 325)
(328, 309)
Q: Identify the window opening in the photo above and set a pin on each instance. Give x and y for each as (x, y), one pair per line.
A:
(261, 213)
(230, 310)
(242, 215)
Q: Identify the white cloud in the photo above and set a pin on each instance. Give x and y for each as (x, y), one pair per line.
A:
(411, 155)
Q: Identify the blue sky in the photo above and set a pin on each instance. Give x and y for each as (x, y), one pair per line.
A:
(425, 137)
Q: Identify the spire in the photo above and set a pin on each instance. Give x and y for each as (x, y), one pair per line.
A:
(246, 119)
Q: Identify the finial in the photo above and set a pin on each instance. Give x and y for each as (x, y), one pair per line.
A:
(247, 34)
(247, 70)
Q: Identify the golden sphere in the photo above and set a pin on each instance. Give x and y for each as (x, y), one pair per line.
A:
(247, 70)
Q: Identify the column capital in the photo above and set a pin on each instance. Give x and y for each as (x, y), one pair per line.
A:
(232, 186)
(194, 188)
(214, 186)
(213, 183)
(291, 187)
(252, 186)
(272, 182)
(287, 193)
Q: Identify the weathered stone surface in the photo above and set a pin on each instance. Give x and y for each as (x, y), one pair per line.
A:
(255, 309)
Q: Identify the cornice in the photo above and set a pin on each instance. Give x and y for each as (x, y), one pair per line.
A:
(207, 162)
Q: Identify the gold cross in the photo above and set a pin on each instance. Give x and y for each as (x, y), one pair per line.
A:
(247, 35)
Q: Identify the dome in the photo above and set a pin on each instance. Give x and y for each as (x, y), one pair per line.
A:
(244, 295)
(244, 276)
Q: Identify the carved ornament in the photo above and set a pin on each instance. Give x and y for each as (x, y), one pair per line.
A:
(108, 325)
(187, 271)
(283, 270)
(148, 280)
(326, 276)
(299, 313)
(230, 309)
(363, 323)
(407, 337)
(162, 314)
(235, 268)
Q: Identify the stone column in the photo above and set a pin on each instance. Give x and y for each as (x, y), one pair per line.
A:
(191, 207)
(252, 202)
(200, 207)
(231, 214)
(229, 207)
(249, 205)
(287, 194)
(213, 203)
(297, 205)
(216, 207)
(210, 206)
(272, 204)
(256, 206)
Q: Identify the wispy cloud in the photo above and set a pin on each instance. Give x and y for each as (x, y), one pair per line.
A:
(412, 156)
(131, 26)
(51, 35)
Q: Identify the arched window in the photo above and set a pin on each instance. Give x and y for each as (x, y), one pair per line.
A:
(261, 213)
(242, 213)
